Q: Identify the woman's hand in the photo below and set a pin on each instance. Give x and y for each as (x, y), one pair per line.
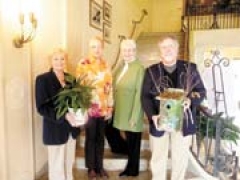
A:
(70, 117)
(132, 123)
(108, 116)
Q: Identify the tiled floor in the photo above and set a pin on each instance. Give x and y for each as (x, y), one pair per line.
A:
(113, 175)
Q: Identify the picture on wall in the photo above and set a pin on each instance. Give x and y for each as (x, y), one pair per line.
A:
(96, 15)
(107, 32)
(107, 12)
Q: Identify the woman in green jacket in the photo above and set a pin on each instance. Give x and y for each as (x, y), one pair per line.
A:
(128, 115)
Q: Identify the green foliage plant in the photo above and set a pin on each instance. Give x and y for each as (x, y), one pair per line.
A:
(229, 131)
(77, 93)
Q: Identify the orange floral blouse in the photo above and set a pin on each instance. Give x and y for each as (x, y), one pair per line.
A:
(100, 74)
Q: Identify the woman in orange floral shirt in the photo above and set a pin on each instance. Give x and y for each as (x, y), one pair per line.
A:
(98, 72)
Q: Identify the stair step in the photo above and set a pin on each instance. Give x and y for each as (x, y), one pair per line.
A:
(144, 143)
(113, 175)
(110, 155)
(112, 161)
(112, 164)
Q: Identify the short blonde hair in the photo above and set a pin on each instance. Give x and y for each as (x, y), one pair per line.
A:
(128, 43)
(58, 51)
(96, 38)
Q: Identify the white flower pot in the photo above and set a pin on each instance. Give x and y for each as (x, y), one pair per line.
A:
(80, 115)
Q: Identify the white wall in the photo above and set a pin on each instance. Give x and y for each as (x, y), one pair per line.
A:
(228, 44)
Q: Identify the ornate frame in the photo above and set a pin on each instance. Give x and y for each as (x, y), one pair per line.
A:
(95, 15)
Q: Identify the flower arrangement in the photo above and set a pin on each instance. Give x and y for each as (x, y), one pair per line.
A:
(76, 94)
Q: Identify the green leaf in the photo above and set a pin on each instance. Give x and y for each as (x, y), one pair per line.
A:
(77, 93)
(229, 131)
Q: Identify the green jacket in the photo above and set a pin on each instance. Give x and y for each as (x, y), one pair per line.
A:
(128, 112)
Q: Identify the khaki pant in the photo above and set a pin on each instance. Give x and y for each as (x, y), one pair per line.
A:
(61, 159)
(179, 146)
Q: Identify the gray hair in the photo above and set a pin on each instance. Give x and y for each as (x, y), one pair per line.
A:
(170, 36)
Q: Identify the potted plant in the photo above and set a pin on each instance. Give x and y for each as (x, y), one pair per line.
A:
(207, 127)
(74, 97)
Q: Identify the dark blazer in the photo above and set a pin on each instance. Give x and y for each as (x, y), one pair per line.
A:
(55, 131)
(149, 92)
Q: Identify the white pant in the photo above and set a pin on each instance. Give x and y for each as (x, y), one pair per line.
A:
(61, 159)
(179, 155)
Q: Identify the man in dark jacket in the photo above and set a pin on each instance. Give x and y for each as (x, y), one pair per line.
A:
(178, 74)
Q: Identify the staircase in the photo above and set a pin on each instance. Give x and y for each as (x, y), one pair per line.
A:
(112, 161)
(115, 163)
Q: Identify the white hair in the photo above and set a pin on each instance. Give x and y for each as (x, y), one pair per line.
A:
(128, 43)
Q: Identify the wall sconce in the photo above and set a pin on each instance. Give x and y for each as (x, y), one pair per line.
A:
(27, 34)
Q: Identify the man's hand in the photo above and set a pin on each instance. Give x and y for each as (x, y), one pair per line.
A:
(156, 119)
(186, 104)
(161, 127)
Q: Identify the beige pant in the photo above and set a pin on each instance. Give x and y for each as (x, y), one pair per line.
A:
(179, 146)
(61, 159)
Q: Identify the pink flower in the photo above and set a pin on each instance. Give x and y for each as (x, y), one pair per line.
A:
(94, 110)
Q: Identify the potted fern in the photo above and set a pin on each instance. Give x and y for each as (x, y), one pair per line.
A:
(74, 97)
(207, 127)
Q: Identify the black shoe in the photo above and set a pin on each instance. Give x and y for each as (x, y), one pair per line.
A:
(103, 174)
(92, 174)
(133, 174)
(123, 174)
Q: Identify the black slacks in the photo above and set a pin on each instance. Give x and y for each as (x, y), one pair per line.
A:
(94, 143)
(117, 144)
(133, 145)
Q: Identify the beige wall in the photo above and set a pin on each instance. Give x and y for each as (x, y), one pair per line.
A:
(15, 98)
(50, 35)
(22, 153)
(166, 15)
(2, 122)
(79, 32)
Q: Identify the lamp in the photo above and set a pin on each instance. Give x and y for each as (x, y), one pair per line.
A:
(27, 34)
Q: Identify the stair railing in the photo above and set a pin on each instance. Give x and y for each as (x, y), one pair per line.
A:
(217, 163)
(121, 37)
(220, 162)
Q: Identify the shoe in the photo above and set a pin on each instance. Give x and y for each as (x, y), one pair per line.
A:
(103, 174)
(92, 174)
(133, 175)
(123, 174)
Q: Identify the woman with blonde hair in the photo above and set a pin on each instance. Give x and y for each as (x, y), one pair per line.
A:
(59, 135)
(96, 70)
